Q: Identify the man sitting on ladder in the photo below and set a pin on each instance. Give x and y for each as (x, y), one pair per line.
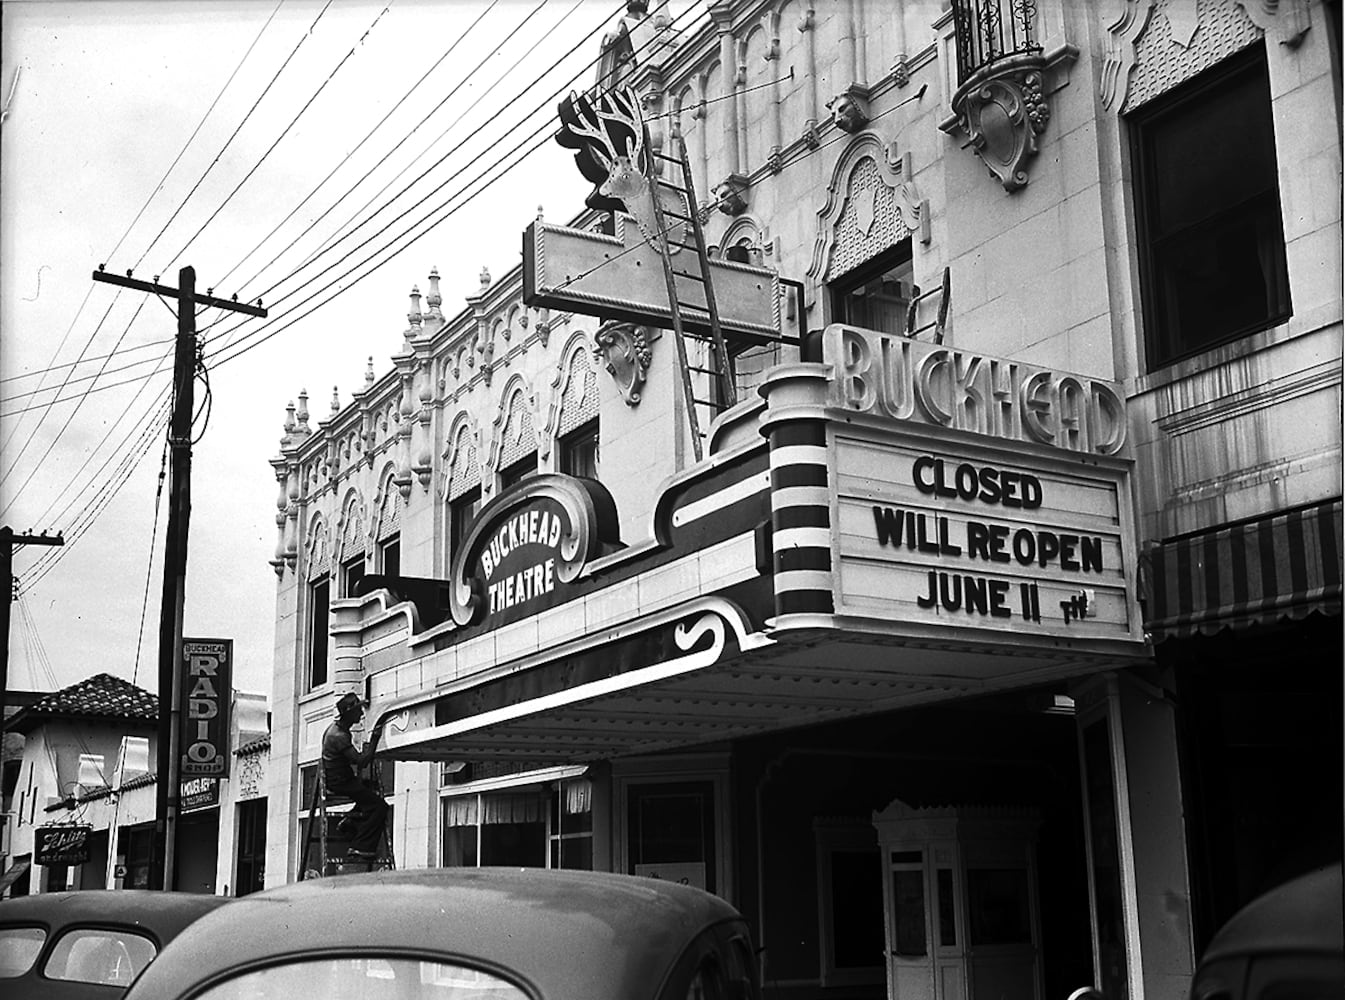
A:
(339, 761)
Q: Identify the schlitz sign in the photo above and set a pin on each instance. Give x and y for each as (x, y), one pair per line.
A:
(526, 545)
(207, 684)
(61, 845)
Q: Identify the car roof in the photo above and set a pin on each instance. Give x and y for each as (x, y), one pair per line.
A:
(1302, 916)
(160, 914)
(581, 935)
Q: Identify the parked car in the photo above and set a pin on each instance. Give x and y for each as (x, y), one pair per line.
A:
(1288, 944)
(463, 934)
(91, 944)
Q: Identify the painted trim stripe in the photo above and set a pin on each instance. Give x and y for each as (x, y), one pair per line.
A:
(726, 497)
(792, 538)
(799, 455)
(791, 559)
(787, 476)
(787, 518)
(1254, 572)
(790, 433)
(802, 602)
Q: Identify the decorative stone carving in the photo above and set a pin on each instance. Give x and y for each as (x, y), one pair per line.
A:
(731, 194)
(1002, 108)
(625, 352)
(850, 110)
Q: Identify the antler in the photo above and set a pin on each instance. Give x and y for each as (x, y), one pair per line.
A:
(604, 134)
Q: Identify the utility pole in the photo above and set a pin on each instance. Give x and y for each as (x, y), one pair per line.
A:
(7, 542)
(168, 790)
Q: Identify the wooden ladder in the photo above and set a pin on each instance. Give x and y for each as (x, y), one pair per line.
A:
(703, 328)
(317, 813)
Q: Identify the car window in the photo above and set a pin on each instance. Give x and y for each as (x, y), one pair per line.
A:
(100, 955)
(19, 947)
(366, 978)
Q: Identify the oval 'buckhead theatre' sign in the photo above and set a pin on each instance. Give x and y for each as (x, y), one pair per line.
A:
(527, 545)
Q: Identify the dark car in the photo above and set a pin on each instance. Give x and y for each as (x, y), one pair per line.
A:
(1286, 945)
(89, 945)
(464, 934)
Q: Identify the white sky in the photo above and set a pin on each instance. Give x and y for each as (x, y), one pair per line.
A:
(107, 96)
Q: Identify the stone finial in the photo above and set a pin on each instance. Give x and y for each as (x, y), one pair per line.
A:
(414, 317)
(336, 401)
(289, 418)
(485, 278)
(539, 213)
(369, 373)
(434, 300)
(301, 415)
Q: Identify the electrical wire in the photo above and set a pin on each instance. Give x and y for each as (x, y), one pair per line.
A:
(163, 180)
(543, 131)
(234, 135)
(33, 433)
(284, 132)
(336, 236)
(88, 359)
(346, 159)
(97, 505)
(55, 354)
(46, 517)
(51, 445)
(548, 125)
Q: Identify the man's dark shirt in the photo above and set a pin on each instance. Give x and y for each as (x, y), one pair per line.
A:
(336, 745)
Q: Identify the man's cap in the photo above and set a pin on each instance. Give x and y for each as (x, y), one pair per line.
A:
(348, 703)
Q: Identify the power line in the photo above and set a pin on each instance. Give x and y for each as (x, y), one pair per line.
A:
(544, 128)
(87, 359)
(284, 132)
(535, 132)
(195, 132)
(335, 236)
(71, 415)
(46, 518)
(346, 159)
(55, 354)
(33, 433)
(234, 135)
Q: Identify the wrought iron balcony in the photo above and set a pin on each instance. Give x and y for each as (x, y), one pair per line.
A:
(991, 30)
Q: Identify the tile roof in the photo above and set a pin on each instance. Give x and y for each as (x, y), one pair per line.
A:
(256, 746)
(101, 696)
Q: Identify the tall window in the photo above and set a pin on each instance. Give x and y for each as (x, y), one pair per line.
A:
(319, 599)
(579, 451)
(390, 556)
(524, 467)
(876, 295)
(1211, 238)
(352, 572)
(461, 510)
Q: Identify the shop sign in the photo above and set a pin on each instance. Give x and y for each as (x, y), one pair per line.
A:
(61, 845)
(207, 683)
(909, 381)
(199, 793)
(939, 531)
(527, 546)
(681, 872)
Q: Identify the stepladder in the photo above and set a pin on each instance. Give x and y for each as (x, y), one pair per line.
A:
(327, 835)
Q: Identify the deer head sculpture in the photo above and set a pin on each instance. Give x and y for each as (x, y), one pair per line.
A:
(611, 144)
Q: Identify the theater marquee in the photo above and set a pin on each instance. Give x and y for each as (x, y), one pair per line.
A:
(976, 493)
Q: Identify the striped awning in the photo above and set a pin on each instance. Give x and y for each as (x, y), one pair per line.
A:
(1281, 566)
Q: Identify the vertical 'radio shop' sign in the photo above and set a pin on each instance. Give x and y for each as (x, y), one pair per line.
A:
(207, 681)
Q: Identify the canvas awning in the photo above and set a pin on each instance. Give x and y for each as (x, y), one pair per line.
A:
(1254, 572)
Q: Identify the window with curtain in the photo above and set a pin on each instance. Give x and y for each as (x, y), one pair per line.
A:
(876, 295)
(549, 826)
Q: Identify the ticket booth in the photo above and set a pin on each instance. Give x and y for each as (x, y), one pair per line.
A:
(960, 903)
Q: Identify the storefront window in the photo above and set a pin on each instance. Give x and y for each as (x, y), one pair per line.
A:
(546, 826)
(671, 832)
